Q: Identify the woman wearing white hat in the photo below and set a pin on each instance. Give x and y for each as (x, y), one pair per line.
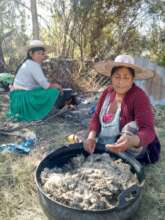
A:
(32, 96)
(123, 119)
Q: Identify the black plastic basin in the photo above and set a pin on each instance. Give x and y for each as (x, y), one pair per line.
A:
(57, 211)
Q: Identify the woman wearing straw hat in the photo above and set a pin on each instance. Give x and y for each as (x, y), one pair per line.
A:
(32, 96)
(123, 119)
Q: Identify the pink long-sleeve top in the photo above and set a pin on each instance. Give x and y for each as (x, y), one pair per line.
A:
(134, 107)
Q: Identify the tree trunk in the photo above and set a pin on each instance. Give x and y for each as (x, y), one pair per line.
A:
(35, 23)
(2, 61)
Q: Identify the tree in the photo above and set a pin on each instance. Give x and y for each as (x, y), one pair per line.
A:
(91, 26)
(35, 23)
(88, 28)
(12, 31)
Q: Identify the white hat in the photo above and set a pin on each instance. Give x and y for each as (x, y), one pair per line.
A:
(105, 67)
(36, 43)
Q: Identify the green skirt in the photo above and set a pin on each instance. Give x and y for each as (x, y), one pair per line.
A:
(29, 105)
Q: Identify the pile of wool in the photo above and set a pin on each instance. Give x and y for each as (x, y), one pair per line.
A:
(88, 183)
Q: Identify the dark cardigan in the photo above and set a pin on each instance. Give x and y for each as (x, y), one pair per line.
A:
(135, 107)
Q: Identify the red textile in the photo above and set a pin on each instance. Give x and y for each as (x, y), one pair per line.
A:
(134, 107)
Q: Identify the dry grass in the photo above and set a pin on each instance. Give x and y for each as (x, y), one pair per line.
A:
(153, 201)
(18, 196)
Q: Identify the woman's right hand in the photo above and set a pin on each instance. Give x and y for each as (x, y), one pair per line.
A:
(58, 86)
(90, 145)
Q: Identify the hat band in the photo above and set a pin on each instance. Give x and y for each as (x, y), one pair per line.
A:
(35, 49)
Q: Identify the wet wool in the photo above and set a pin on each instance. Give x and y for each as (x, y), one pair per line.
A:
(92, 183)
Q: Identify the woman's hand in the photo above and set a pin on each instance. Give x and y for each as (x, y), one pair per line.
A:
(123, 143)
(58, 86)
(90, 145)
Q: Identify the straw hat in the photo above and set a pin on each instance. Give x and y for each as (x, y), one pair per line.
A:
(105, 67)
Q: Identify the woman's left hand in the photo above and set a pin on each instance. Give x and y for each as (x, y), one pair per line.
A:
(123, 143)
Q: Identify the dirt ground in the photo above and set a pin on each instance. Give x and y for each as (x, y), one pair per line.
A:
(18, 196)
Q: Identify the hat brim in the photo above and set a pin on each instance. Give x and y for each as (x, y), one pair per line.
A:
(48, 48)
(105, 68)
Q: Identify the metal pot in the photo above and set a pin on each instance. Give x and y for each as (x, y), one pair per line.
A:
(57, 211)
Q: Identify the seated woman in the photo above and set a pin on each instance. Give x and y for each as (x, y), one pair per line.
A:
(32, 97)
(123, 119)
